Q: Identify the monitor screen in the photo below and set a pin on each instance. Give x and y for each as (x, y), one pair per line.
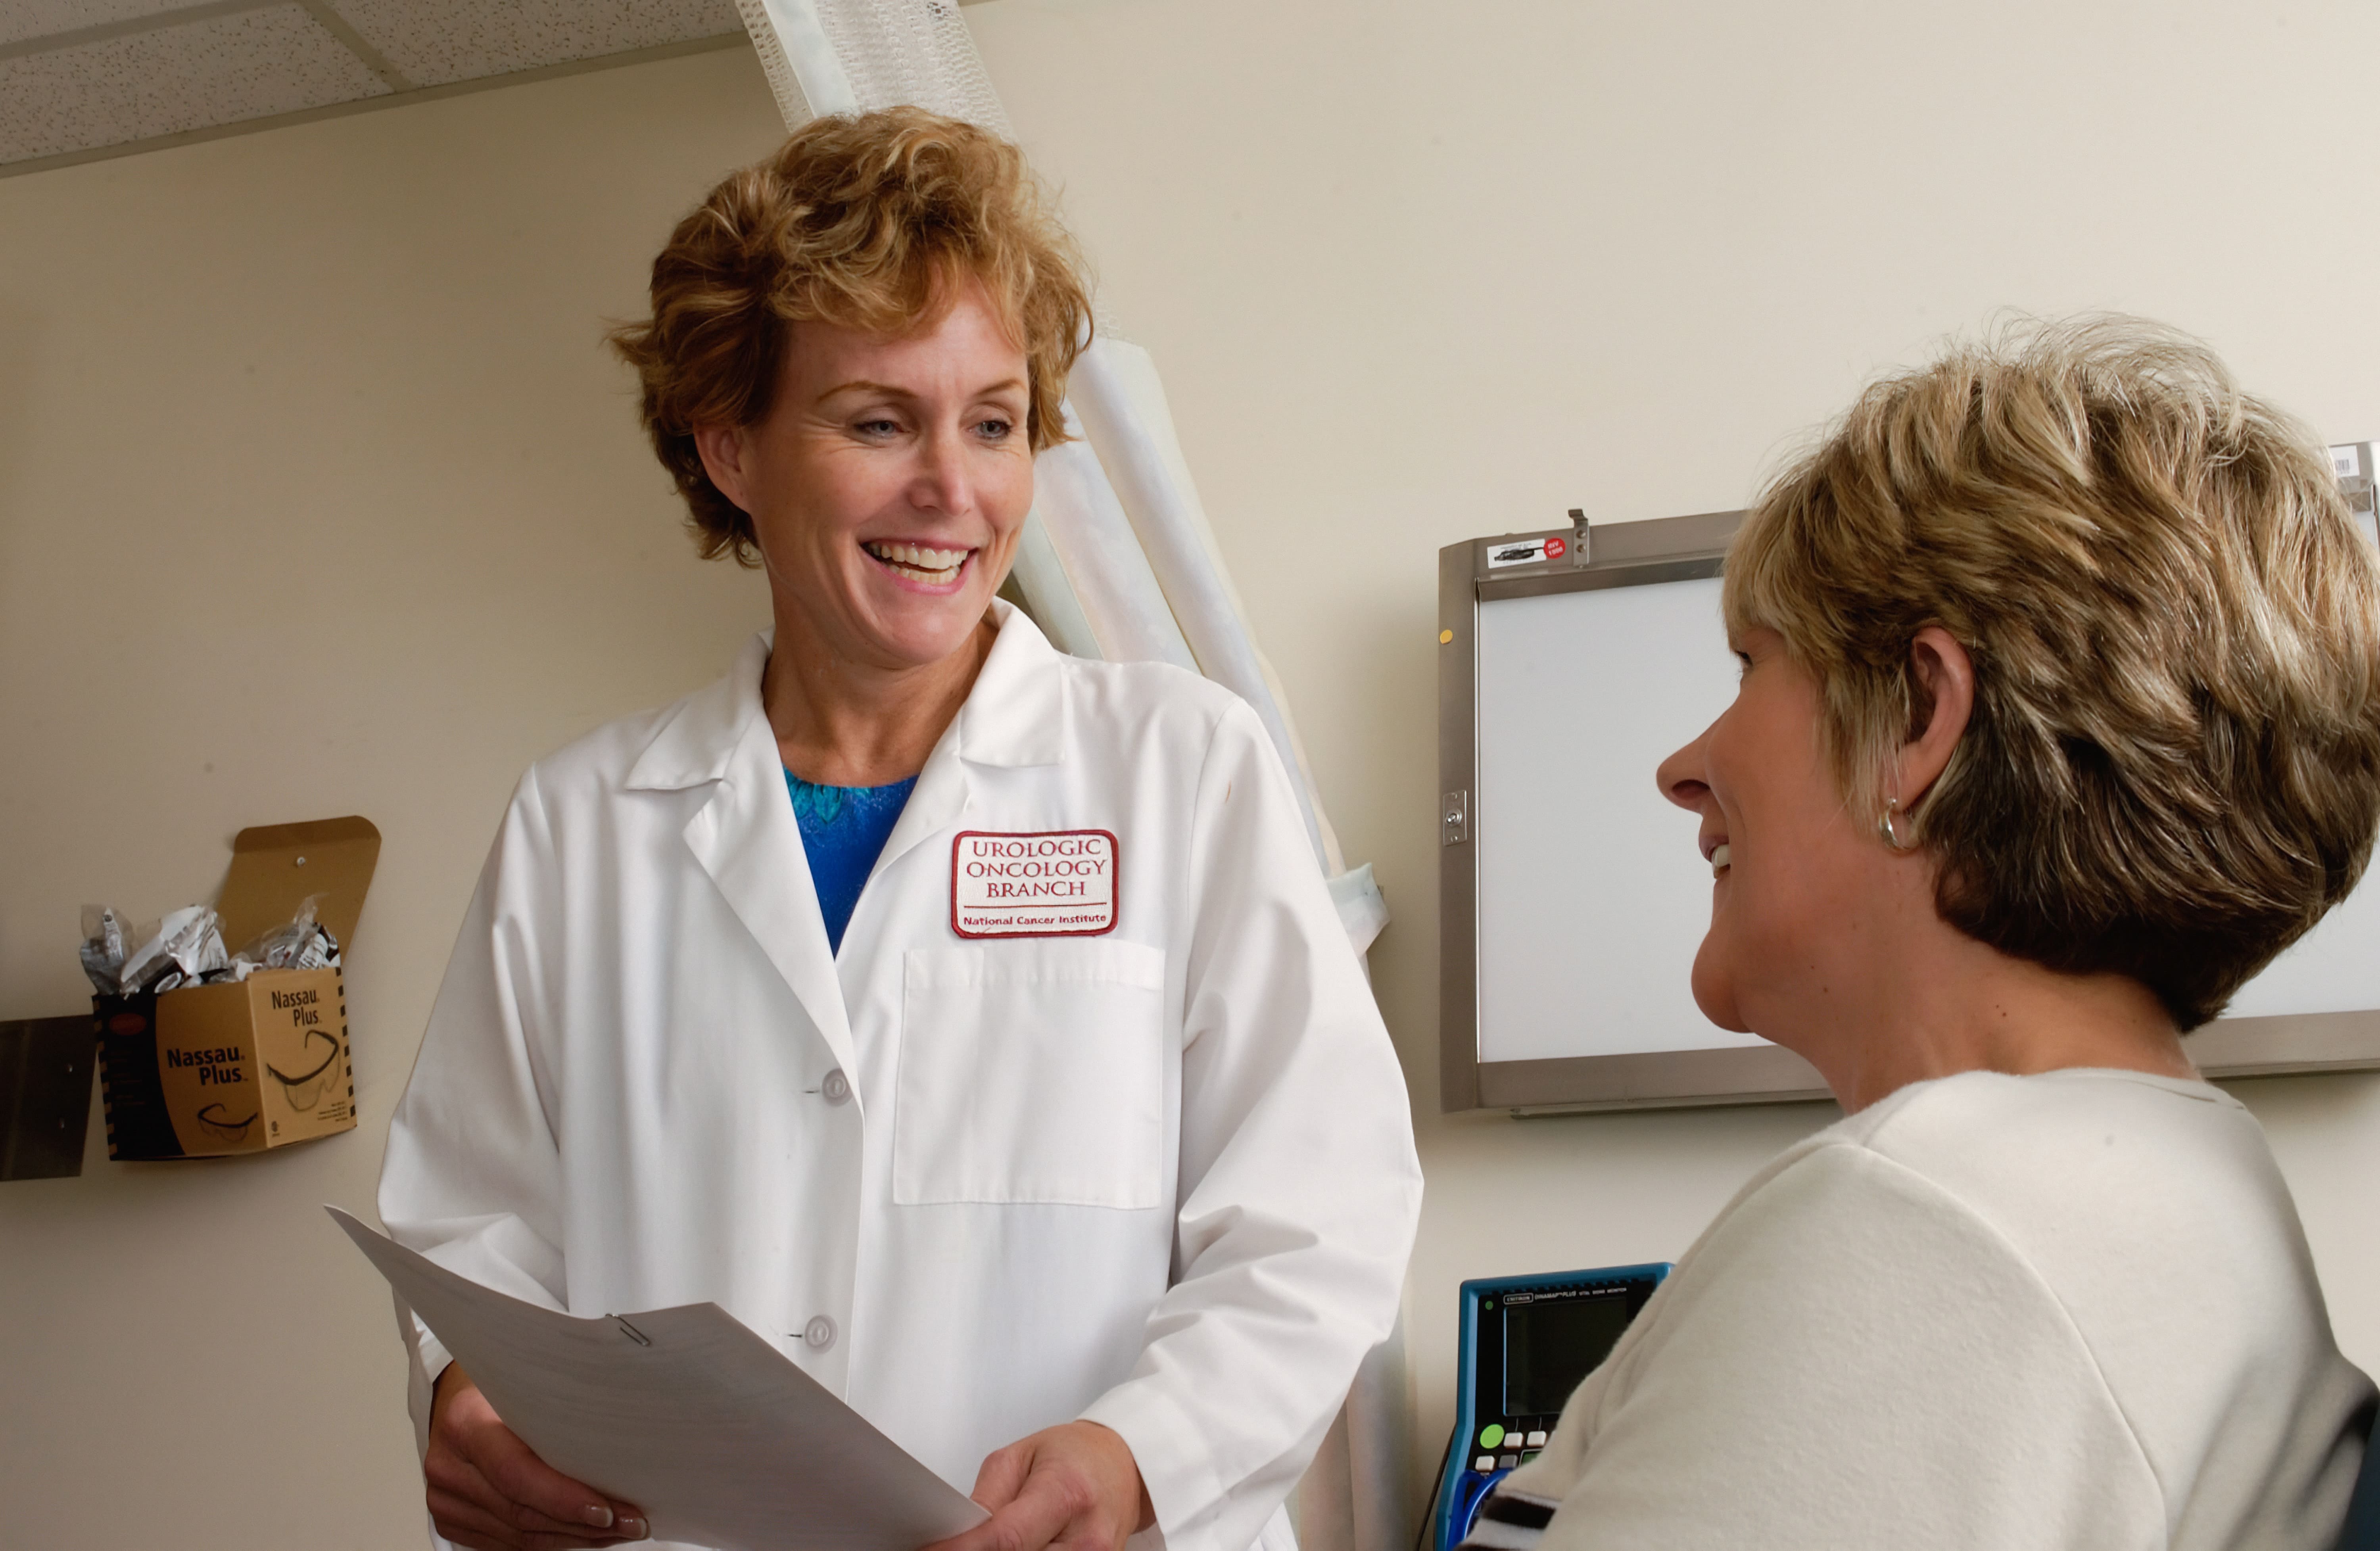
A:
(1549, 1347)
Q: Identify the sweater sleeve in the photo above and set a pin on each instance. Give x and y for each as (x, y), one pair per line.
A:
(1851, 1359)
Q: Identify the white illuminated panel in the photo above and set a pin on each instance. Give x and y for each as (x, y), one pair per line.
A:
(1593, 894)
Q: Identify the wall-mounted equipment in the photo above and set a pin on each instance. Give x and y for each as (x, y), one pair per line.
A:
(1527, 1343)
(1572, 900)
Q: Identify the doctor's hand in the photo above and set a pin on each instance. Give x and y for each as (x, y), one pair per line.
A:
(1072, 1488)
(489, 1491)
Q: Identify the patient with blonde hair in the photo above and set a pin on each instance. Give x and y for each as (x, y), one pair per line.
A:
(2059, 718)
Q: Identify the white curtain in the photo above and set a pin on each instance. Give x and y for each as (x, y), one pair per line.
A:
(1118, 561)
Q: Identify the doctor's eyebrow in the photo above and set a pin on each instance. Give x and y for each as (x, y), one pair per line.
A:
(863, 385)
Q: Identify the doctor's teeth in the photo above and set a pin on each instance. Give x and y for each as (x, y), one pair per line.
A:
(1718, 860)
(918, 557)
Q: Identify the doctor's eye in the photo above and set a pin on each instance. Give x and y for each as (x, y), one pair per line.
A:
(995, 428)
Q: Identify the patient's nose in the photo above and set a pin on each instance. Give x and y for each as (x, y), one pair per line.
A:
(1681, 776)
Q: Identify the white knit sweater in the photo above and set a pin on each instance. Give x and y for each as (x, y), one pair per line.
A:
(2073, 1310)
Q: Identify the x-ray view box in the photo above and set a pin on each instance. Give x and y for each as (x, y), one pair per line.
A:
(1571, 895)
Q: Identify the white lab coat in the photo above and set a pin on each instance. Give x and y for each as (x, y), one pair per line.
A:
(1163, 1178)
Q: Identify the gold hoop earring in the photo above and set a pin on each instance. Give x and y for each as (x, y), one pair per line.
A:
(1884, 827)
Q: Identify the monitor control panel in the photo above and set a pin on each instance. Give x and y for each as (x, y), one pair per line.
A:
(1527, 1343)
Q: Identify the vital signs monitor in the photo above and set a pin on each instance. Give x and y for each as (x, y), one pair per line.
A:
(1527, 1343)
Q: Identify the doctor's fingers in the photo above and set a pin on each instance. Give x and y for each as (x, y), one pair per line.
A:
(1003, 1474)
(473, 1456)
(1049, 1491)
(469, 1525)
(1046, 1514)
(484, 1516)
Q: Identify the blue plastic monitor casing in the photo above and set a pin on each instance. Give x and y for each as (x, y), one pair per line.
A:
(1490, 1380)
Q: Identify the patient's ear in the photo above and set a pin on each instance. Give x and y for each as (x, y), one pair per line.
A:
(1945, 681)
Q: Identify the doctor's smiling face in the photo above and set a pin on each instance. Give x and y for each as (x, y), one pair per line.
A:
(1792, 869)
(887, 484)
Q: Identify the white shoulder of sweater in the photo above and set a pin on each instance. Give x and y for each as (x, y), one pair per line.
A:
(1988, 1311)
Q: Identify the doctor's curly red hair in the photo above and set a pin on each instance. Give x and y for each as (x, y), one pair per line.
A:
(863, 221)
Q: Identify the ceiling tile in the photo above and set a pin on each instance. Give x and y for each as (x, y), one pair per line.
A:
(20, 19)
(193, 75)
(433, 42)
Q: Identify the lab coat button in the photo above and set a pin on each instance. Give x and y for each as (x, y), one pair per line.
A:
(820, 1331)
(836, 1089)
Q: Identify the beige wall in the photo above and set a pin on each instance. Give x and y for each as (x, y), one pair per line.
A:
(1414, 273)
(317, 496)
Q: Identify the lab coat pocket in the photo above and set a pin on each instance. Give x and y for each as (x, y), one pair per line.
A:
(1031, 1072)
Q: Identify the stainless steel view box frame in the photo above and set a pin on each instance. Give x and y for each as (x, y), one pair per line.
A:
(1566, 884)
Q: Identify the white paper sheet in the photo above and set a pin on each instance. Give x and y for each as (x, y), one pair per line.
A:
(685, 1412)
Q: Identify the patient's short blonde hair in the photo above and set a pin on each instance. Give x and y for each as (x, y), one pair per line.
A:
(2173, 766)
(870, 221)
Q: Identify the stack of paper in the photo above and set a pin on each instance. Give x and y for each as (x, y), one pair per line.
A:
(685, 1412)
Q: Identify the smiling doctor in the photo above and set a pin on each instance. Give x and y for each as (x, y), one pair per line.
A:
(970, 1020)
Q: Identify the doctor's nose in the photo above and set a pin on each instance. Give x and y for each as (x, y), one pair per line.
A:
(944, 483)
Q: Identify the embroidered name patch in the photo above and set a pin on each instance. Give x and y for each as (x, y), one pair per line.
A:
(1055, 883)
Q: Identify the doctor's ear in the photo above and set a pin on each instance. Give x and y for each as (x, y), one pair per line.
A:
(723, 449)
(1943, 680)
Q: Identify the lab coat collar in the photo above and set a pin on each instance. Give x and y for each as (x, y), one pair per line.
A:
(1015, 715)
(701, 737)
(746, 835)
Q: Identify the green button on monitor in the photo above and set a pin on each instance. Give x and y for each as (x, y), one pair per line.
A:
(1491, 1434)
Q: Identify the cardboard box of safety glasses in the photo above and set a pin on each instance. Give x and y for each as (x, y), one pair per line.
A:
(241, 1066)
